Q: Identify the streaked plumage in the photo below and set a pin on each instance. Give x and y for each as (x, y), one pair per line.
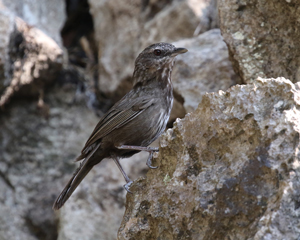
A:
(135, 121)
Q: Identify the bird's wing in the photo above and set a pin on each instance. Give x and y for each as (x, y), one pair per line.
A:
(117, 117)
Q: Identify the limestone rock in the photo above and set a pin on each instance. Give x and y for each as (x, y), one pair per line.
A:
(178, 20)
(47, 16)
(96, 208)
(229, 170)
(204, 68)
(30, 60)
(207, 11)
(36, 159)
(6, 28)
(37, 150)
(262, 37)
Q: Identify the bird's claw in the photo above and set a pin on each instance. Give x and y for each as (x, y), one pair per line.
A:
(155, 149)
(127, 186)
(150, 166)
(149, 160)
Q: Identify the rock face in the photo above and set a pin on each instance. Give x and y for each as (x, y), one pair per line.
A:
(6, 28)
(96, 209)
(262, 37)
(30, 60)
(44, 119)
(47, 16)
(229, 170)
(204, 68)
(36, 158)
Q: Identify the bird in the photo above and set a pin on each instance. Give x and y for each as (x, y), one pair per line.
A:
(135, 121)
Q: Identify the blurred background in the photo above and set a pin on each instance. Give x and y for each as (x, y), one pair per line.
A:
(62, 65)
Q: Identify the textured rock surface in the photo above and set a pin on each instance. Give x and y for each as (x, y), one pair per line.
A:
(48, 16)
(204, 68)
(39, 141)
(30, 60)
(96, 209)
(262, 37)
(35, 154)
(130, 26)
(207, 11)
(229, 170)
(6, 28)
(36, 161)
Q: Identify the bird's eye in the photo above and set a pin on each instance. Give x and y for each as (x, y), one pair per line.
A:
(157, 52)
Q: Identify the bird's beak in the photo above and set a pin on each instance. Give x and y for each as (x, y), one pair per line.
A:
(178, 51)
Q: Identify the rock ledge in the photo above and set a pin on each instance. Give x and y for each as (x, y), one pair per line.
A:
(226, 171)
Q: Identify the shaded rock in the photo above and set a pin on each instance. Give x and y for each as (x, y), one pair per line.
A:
(207, 11)
(96, 208)
(179, 20)
(37, 160)
(262, 37)
(37, 150)
(35, 155)
(204, 68)
(178, 110)
(32, 61)
(47, 16)
(111, 20)
(229, 170)
(6, 28)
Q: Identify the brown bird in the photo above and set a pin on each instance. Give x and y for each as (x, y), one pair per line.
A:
(134, 122)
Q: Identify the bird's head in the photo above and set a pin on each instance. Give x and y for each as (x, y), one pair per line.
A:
(155, 58)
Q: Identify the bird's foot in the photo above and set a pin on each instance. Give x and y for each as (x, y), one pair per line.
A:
(154, 149)
(127, 186)
(149, 160)
(151, 150)
(139, 148)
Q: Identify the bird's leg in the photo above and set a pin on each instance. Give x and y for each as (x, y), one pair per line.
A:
(151, 150)
(127, 179)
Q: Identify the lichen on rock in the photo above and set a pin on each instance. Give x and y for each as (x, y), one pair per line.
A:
(262, 37)
(228, 170)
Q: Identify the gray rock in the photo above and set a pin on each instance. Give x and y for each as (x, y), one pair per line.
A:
(96, 208)
(6, 28)
(207, 11)
(229, 170)
(204, 68)
(47, 16)
(37, 156)
(39, 142)
(30, 60)
(36, 159)
(261, 37)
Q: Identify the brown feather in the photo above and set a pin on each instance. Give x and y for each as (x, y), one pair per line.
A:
(116, 118)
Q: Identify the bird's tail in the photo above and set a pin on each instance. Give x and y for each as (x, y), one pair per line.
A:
(76, 179)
